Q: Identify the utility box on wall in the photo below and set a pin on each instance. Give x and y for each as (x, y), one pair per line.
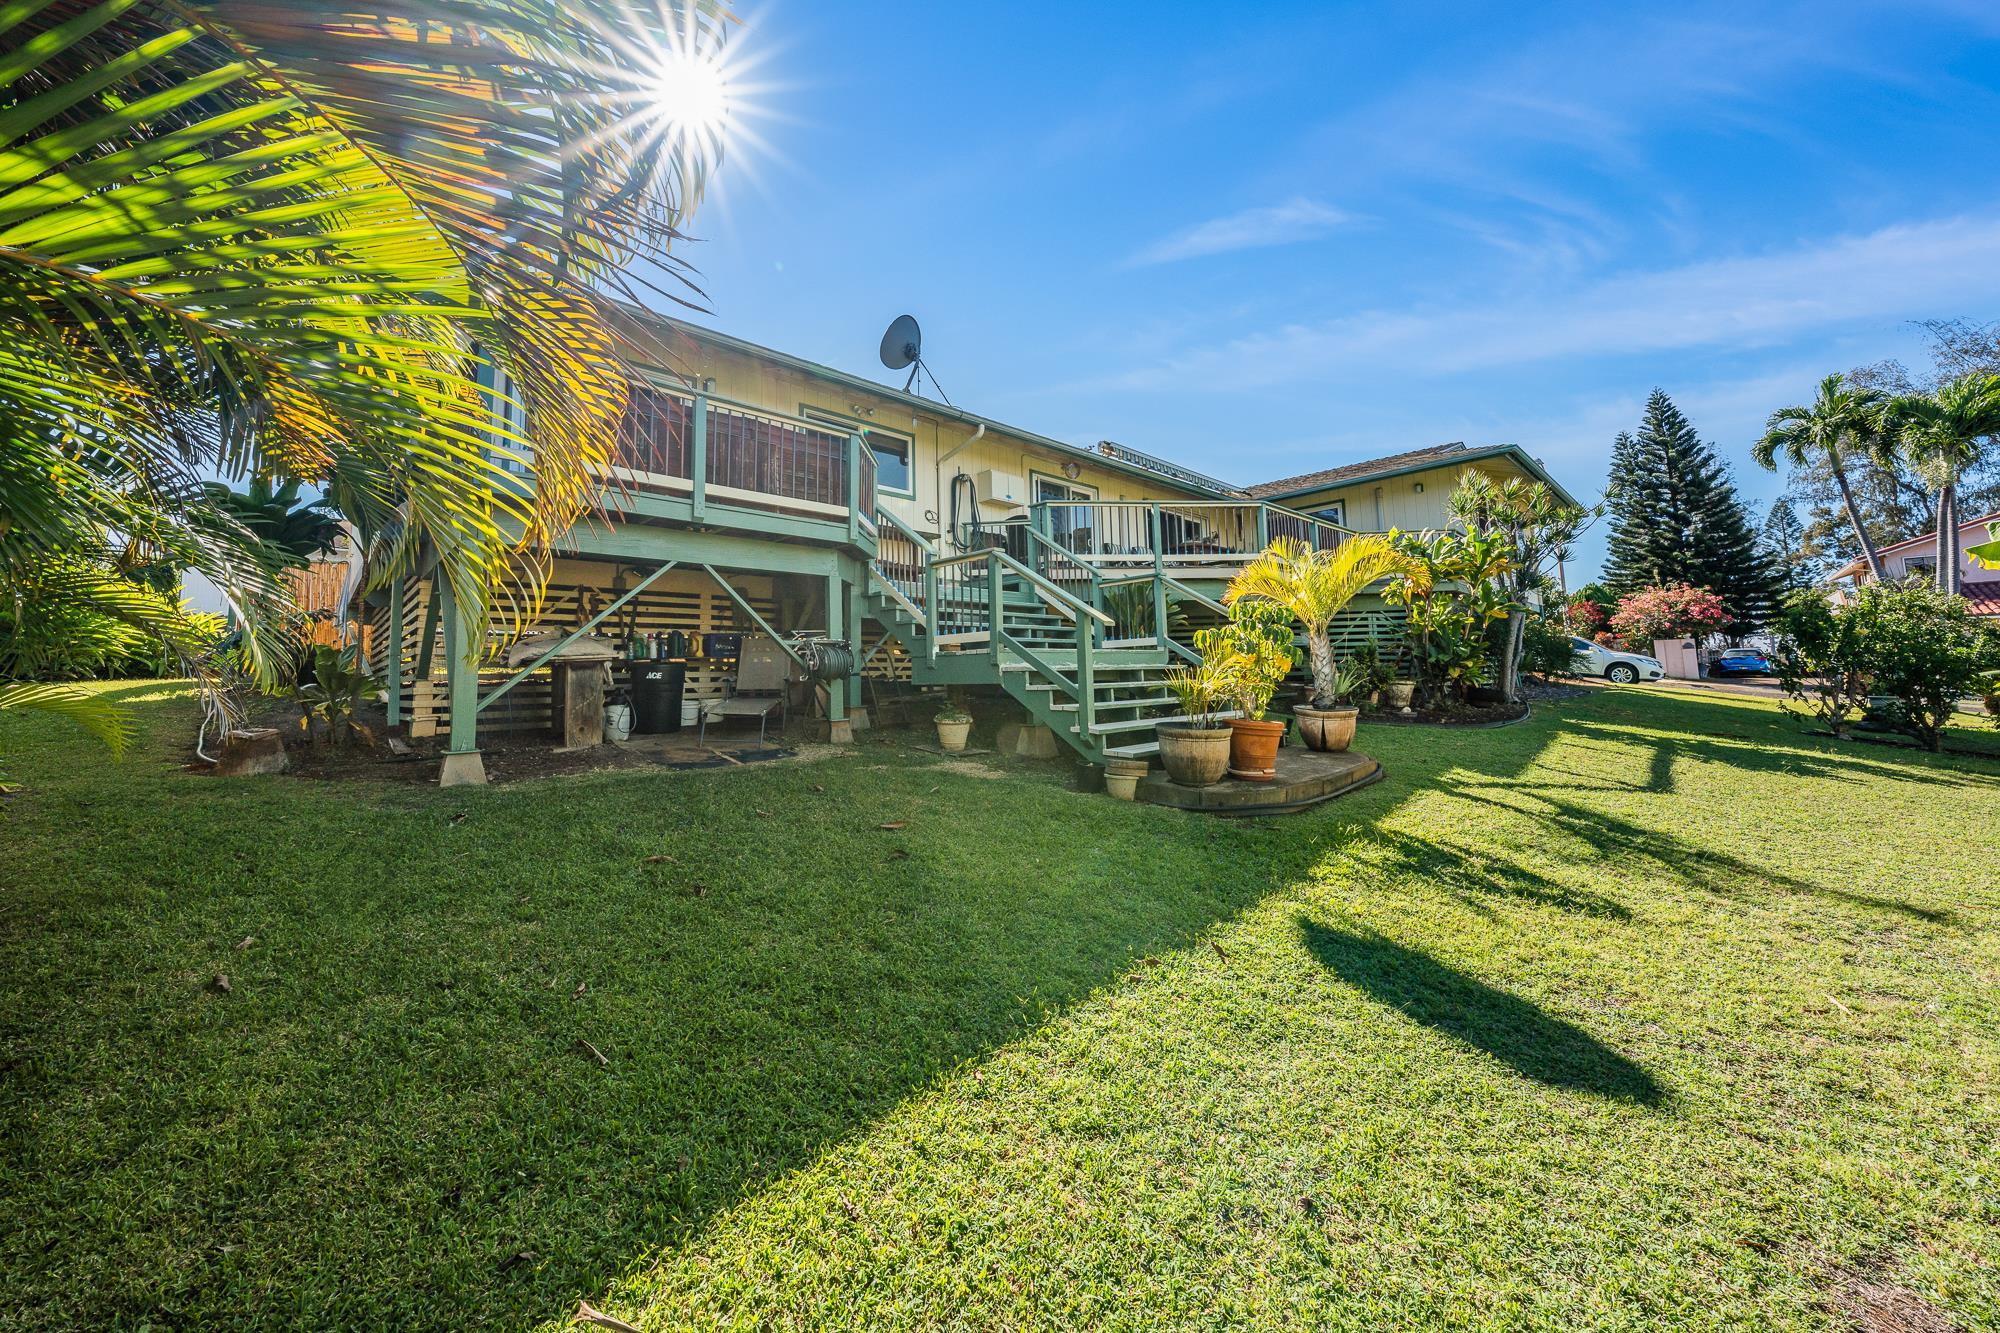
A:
(1000, 488)
(1679, 658)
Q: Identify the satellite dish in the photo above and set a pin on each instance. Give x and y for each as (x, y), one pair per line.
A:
(903, 344)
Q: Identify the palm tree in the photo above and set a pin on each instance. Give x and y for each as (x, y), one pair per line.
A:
(304, 243)
(1945, 433)
(1840, 420)
(1315, 586)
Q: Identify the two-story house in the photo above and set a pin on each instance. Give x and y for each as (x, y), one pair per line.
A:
(758, 493)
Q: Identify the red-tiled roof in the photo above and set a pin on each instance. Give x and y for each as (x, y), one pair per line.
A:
(1984, 596)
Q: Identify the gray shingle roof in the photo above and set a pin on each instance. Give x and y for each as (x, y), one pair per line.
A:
(1333, 476)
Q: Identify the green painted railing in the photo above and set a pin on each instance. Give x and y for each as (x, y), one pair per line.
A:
(755, 457)
(1124, 535)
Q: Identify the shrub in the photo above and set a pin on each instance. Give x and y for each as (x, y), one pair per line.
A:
(1923, 648)
(1252, 653)
(1450, 584)
(1817, 661)
(49, 633)
(1363, 672)
(1918, 647)
(1546, 648)
(340, 685)
(1671, 612)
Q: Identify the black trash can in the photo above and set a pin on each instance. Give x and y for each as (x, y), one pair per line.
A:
(656, 696)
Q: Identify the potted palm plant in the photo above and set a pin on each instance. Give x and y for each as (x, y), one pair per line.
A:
(1195, 752)
(1313, 587)
(1252, 652)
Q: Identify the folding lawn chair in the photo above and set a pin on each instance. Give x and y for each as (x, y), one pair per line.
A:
(759, 689)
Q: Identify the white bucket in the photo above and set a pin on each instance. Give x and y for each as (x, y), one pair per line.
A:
(690, 712)
(618, 722)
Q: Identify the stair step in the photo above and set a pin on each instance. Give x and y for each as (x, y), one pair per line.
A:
(1143, 750)
(1100, 685)
(1103, 704)
(1140, 723)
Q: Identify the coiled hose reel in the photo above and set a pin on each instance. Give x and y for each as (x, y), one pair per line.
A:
(824, 658)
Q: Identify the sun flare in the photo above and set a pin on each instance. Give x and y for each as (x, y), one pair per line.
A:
(690, 96)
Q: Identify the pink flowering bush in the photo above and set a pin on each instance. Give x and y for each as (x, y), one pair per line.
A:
(1585, 616)
(1673, 612)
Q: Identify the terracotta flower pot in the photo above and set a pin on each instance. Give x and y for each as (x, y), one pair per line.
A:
(1328, 729)
(951, 735)
(1195, 756)
(1122, 777)
(1398, 693)
(1253, 749)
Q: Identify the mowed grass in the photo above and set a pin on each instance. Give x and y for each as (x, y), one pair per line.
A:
(1651, 1012)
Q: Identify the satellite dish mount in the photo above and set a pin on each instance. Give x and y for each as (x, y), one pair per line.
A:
(903, 345)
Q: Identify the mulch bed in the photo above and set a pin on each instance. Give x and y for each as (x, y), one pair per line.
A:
(1498, 715)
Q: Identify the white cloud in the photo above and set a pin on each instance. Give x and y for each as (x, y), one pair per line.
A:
(1908, 271)
(1282, 224)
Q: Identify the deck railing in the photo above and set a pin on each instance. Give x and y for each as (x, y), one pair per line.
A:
(1111, 535)
(749, 456)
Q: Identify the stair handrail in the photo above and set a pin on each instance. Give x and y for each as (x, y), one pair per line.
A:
(1035, 580)
(922, 542)
(1062, 552)
(916, 612)
(1166, 585)
(1174, 585)
(885, 519)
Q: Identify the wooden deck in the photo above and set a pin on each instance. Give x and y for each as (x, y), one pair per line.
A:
(1305, 779)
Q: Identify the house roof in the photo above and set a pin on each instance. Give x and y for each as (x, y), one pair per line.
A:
(1984, 596)
(1411, 460)
(1859, 565)
(1161, 471)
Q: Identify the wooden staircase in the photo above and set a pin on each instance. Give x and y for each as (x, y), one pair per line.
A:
(1048, 647)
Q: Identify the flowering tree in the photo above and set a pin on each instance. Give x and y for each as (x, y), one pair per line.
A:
(1671, 612)
(1585, 616)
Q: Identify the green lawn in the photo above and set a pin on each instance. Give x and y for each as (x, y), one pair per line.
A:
(1651, 1012)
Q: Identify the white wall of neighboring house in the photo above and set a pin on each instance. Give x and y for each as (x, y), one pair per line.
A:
(1919, 556)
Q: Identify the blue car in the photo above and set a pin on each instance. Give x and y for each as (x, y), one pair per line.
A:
(1740, 662)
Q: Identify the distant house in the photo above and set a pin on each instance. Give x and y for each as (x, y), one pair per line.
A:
(1918, 557)
(1406, 491)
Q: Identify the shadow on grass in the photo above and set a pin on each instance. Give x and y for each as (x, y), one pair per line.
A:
(1520, 1035)
(1473, 876)
(1781, 748)
(768, 962)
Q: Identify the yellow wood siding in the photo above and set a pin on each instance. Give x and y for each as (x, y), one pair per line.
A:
(1397, 502)
(778, 387)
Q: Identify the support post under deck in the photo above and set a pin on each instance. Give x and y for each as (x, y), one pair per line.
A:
(463, 640)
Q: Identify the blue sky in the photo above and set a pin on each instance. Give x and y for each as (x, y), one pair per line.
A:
(1265, 239)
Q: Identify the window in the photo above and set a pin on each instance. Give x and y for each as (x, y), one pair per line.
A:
(1335, 513)
(501, 398)
(892, 462)
(1070, 524)
(892, 452)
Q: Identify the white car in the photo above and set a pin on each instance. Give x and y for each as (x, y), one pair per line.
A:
(1594, 659)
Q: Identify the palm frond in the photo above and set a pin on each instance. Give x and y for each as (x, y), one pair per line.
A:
(299, 243)
(94, 713)
(1314, 585)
